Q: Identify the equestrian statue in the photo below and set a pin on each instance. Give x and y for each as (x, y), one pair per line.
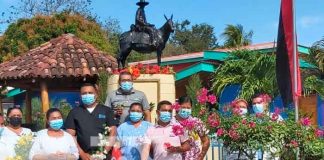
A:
(143, 37)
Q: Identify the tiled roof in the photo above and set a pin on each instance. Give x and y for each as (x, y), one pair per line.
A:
(64, 56)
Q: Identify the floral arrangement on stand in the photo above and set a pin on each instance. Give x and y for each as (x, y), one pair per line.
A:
(138, 69)
(23, 147)
(101, 153)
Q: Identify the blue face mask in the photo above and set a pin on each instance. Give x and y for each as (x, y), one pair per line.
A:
(1, 130)
(126, 86)
(88, 99)
(184, 113)
(165, 116)
(258, 108)
(56, 124)
(135, 116)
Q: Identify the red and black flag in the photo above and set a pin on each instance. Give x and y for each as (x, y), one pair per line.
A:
(287, 65)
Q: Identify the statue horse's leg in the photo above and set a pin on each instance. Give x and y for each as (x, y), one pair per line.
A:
(121, 58)
(159, 55)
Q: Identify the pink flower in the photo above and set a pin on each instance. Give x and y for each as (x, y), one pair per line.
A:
(235, 126)
(319, 133)
(212, 99)
(189, 124)
(265, 97)
(166, 145)
(176, 106)
(220, 132)
(305, 121)
(244, 121)
(274, 117)
(202, 99)
(213, 121)
(203, 91)
(178, 130)
(233, 134)
(252, 125)
(294, 143)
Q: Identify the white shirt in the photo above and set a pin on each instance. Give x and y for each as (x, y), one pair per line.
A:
(11, 138)
(45, 144)
(3, 150)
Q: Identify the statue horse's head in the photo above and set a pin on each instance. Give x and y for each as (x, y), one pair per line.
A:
(169, 23)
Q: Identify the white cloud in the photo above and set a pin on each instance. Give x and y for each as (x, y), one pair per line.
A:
(309, 21)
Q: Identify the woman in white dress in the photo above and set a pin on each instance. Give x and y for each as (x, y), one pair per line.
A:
(12, 133)
(3, 146)
(53, 142)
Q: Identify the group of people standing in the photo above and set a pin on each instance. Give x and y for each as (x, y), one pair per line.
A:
(125, 117)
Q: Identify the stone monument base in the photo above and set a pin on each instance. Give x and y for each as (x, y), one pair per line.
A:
(157, 87)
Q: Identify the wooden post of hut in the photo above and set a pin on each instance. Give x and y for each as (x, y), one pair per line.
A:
(28, 107)
(44, 96)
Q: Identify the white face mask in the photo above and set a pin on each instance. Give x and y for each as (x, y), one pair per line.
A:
(243, 111)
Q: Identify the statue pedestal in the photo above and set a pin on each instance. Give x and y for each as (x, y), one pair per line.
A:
(157, 87)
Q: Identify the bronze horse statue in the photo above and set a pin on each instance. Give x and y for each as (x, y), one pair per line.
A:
(140, 42)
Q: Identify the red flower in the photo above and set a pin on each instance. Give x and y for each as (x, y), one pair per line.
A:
(136, 73)
(140, 65)
(176, 106)
(166, 145)
(212, 99)
(116, 71)
(244, 121)
(233, 134)
(203, 91)
(305, 121)
(220, 132)
(155, 69)
(274, 117)
(319, 133)
(294, 143)
(252, 125)
(178, 130)
(165, 70)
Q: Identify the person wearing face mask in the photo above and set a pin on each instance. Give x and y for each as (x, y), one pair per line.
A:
(240, 106)
(164, 143)
(53, 142)
(260, 105)
(12, 132)
(88, 120)
(199, 147)
(130, 134)
(121, 99)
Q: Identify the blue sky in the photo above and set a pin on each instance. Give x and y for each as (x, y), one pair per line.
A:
(261, 16)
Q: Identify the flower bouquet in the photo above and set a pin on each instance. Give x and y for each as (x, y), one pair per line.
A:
(23, 147)
(101, 153)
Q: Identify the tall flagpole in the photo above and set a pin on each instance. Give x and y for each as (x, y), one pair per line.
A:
(295, 88)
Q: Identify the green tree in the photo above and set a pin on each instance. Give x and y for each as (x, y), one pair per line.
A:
(26, 34)
(318, 51)
(255, 71)
(197, 38)
(236, 36)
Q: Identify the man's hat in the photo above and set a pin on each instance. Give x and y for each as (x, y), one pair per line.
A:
(142, 3)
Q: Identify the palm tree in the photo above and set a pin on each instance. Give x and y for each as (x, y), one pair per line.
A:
(235, 36)
(254, 71)
(318, 48)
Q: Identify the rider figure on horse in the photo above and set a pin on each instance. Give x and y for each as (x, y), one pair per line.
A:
(141, 24)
